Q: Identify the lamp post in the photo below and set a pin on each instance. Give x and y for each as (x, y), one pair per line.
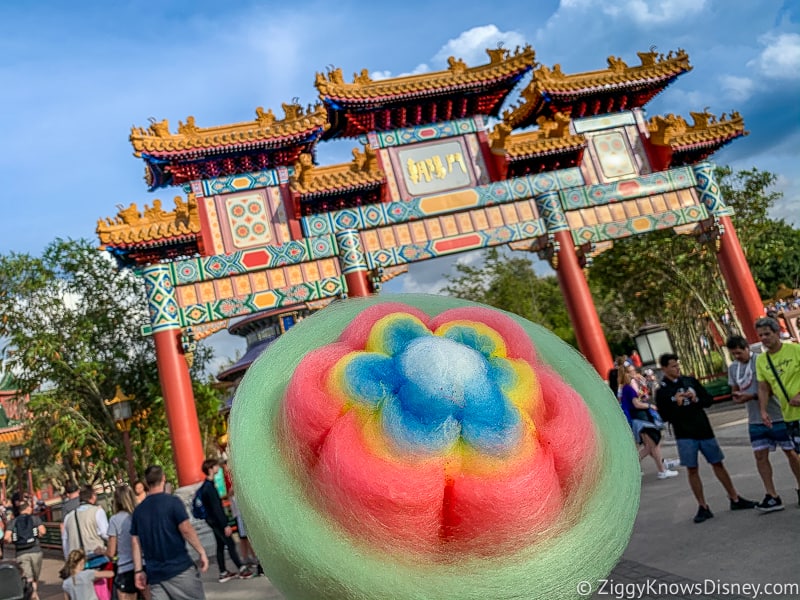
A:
(122, 413)
(17, 452)
(30, 472)
(652, 341)
(3, 475)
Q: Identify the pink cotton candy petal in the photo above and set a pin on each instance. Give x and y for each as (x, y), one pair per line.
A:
(567, 432)
(491, 513)
(385, 502)
(310, 408)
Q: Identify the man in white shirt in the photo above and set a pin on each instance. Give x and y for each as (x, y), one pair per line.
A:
(86, 527)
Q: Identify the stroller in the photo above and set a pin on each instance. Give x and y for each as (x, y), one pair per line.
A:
(13, 585)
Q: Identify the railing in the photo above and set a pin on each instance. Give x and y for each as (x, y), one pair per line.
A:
(52, 535)
(717, 386)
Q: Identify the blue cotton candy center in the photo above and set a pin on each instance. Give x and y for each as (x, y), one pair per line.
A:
(434, 391)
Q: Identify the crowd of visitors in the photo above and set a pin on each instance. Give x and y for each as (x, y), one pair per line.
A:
(141, 551)
(768, 384)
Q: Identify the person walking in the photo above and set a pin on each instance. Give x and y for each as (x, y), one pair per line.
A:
(24, 532)
(86, 528)
(682, 401)
(160, 529)
(778, 372)
(119, 542)
(218, 522)
(646, 431)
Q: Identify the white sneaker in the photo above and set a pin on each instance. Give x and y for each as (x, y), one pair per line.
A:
(667, 473)
(671, 463)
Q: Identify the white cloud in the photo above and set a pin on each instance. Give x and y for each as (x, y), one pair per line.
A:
(413, 286)
(469, 259)
(420, 68)
(471, 45)
(780, 59)
(378, 75)
(737, 88)
(642, 12)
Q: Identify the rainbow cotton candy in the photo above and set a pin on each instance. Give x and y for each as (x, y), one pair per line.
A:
(434, 436)
(433, 445)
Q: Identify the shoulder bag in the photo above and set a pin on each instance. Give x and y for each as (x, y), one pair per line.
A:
(778, 377)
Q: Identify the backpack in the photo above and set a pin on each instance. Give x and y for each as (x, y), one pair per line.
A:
(198, 508)
(24, 534)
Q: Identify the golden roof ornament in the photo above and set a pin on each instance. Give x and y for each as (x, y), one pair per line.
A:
(189, 128)
(156, 138)
(363, 170)
(264, 119)
(553, 134)
(501, 63)
(456, 65)
(362, 78)
(552, 85)
(132, 226)
(364, 162)
(673, 130)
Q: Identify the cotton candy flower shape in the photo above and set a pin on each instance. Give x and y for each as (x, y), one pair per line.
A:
(444, 436)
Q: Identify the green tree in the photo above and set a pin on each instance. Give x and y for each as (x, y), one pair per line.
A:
(72, 322)
(511, 284)
(771, 245)
(672, 279)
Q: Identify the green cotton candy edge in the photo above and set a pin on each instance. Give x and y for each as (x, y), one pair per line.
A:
(308, 557)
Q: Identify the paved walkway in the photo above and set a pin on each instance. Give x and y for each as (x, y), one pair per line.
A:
(669, 556)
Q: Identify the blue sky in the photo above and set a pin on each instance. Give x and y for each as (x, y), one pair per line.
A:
(77, 75)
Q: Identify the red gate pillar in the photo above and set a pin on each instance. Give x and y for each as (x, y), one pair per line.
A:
(173, 373)
(582, 312)
(353, 263)
(739, 279)
(732, 261)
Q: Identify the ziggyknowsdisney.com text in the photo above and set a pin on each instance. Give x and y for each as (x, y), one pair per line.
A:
(653, 587)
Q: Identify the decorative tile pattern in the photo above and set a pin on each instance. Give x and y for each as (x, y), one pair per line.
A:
(241, 183)
(254, 259)
(248, 220)
(377, 215)
(709, 191)
(639, 225)
(350, 251)
(161, 303)
(275, 298)
(212, 236)
(278, 217)
(493, 236)
(603, 122)
(613, 154)
(637, 187)
(420, 133)
(550, 210)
